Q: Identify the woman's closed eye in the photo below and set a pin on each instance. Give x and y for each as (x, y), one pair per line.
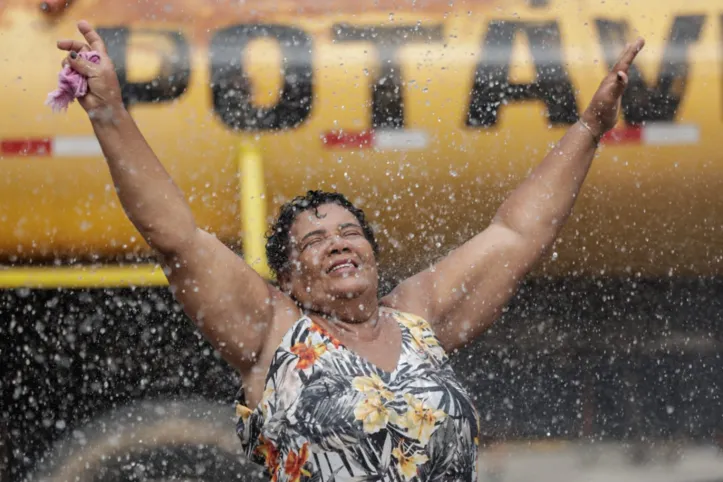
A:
(312, 242)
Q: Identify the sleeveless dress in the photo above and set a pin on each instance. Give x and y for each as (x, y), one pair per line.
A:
(327, 414)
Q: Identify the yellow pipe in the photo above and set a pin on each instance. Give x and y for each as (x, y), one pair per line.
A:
(253, 208)
(82, 276)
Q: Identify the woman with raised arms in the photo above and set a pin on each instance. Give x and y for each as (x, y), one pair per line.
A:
(341, 385)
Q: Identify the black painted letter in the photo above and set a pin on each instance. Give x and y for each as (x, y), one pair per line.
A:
(170, 83)
(388, 86)
(230, 86)
(492, 87)
(660, 102)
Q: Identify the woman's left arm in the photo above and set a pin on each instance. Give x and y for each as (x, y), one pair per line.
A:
(465, 292)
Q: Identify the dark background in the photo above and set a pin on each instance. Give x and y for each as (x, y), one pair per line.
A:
(595, 359)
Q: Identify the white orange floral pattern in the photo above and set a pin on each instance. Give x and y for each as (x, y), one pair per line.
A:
(329, 415)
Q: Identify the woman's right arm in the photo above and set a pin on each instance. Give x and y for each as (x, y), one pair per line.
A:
(226, 299)
(230, 303)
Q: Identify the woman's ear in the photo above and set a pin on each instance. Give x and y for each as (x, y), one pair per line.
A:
(284, 282)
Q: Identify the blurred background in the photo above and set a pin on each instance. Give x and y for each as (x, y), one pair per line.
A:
(605, 367)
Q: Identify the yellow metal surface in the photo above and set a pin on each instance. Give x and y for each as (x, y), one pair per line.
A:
(645, 210)
(252, 208)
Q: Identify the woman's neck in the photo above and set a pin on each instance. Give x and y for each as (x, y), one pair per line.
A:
(360, 321)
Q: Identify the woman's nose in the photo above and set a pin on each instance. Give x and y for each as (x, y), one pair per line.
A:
(337, 244)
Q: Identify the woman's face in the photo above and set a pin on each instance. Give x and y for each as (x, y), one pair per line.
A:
(330, 259)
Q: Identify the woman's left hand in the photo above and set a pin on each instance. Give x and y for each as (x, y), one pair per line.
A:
(602, 113)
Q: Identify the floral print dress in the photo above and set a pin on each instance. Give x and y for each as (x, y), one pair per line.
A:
(327, 414)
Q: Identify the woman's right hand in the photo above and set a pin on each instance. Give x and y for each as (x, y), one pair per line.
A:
(104, 91)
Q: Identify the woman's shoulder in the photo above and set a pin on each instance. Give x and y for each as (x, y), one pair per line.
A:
(410, 299)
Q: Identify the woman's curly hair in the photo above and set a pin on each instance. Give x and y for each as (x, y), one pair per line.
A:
(278, 245)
